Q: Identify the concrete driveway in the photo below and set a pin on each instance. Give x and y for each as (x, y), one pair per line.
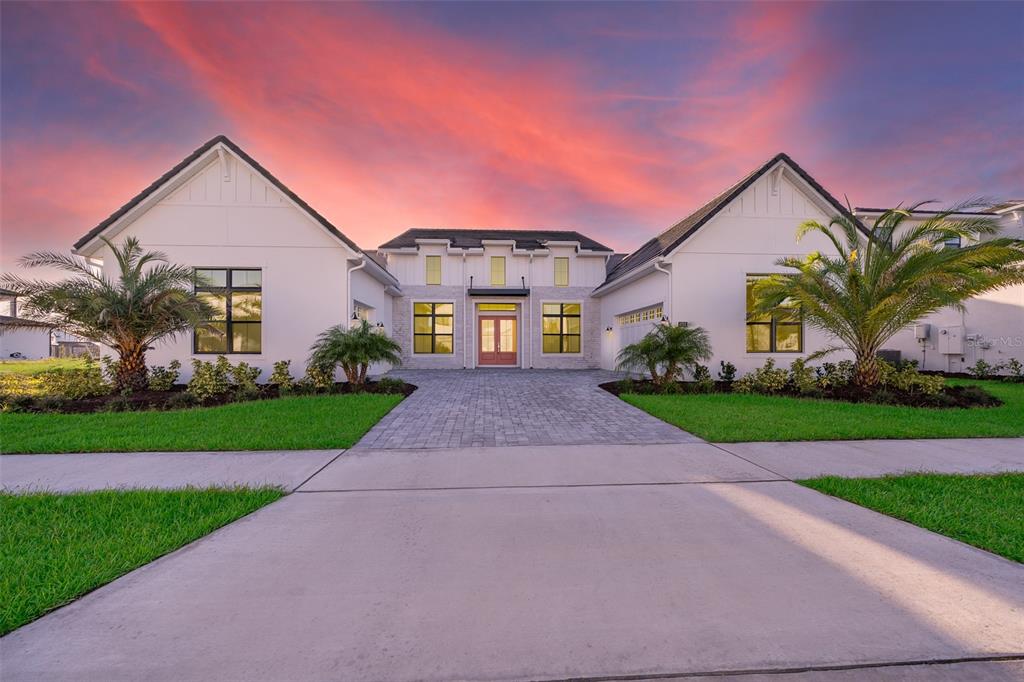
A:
(545, 563)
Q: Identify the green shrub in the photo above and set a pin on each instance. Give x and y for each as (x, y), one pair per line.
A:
(17, 403)
(390, 385)
(802, 378)
(244, 378)
(181, 401)
(624, 386)
(702, 379)
(163, 378)
(319, 378)
(74, 383)
(767, 379)
(981, 370)
(727, 372)
(835, 374)
(906, 378)
(15, 385)
(1015, 370)
(210, 379)
(281, 376)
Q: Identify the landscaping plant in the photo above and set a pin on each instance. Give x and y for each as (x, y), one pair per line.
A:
(665, 352)
(163, 378)
(885, 277)
(150, 300)
(354, 350)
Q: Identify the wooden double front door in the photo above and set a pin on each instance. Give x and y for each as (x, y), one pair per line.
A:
(497, 341)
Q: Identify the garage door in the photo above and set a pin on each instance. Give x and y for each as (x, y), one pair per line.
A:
(633, 326)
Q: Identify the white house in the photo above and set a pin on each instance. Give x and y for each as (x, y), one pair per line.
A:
(21, 338)
(280, 273)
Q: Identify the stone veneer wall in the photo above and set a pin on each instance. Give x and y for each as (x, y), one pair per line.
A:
(530, 321)
(402, 325)
(590, 328)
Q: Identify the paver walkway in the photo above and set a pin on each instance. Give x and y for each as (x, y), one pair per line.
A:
(493, 407)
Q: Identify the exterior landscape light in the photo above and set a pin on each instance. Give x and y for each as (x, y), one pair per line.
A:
(607, 329)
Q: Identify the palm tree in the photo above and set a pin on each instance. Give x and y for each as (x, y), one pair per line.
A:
(151, 300)
(886, 277)
(354, 350)
(665, 351)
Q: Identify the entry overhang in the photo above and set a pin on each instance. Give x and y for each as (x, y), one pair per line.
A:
(498, 292)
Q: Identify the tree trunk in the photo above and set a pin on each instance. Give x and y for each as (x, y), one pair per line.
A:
(351, 373)
(132, 374)
(362, 373)
(866, 373)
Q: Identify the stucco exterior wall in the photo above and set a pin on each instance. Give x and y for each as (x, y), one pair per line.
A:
(644, 292)
(244, 222)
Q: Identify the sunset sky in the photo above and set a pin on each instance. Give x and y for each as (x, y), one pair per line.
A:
(612, 119)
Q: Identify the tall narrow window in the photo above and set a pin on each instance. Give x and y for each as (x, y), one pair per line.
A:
(781, 331)
(561, 327)
(433, 328)
(497, 271)
(236, 295)
(561, 271)
(433, 269)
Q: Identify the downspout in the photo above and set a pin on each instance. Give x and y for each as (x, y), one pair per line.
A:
(348, 304)
(465, 314)
(529, 309)
(668, 299)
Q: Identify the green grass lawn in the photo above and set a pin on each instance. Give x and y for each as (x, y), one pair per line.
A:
(55, 548)
(29, 367)
(732, 418)
(984, 511)
(297, 423)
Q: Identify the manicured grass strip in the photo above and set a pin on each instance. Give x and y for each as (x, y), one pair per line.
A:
(299, 423)
(29, 367)
(55, 548)
(984, 511)
(732, 418)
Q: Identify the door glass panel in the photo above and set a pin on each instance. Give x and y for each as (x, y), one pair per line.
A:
(508, 336)
(487, 336)
(510, 307)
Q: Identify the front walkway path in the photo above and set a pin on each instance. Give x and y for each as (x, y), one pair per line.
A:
(493, 407)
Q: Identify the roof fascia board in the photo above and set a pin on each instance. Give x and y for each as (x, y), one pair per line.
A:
(434, 241)
(638, 272)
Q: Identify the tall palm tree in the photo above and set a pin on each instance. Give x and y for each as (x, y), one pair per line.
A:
(151, 300)
(886, 277)
(354, 350)
(665, 352)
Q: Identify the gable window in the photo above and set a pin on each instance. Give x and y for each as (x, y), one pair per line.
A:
(433, 328)
(561, 327)
(497, 271)
(433, 269)
(561, 271)
(781, 331)
(236, 295)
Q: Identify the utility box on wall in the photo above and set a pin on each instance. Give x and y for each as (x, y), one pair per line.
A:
(951, 340)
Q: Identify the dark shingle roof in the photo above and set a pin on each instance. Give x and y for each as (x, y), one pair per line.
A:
(141, 196)
(464, 239)
(670, 239)
(613, 260)
(862, 209)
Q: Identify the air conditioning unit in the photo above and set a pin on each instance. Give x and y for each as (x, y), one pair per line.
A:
(922, 331)
(893, 357)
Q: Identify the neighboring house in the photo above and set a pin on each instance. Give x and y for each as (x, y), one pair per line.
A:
(990, 328)
(21, 338)
(280, 273)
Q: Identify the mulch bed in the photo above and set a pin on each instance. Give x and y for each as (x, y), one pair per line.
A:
(951, 396)
(173, 399)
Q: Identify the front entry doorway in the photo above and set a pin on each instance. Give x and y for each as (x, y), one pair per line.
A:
(498, 341)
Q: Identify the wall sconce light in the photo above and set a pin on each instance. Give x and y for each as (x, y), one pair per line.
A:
(607, 329)
(664, 319)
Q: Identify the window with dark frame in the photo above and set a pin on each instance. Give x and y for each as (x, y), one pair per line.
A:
(781, 331)
(952, 242)
(560, 325)
(433, 328)
(236, 294)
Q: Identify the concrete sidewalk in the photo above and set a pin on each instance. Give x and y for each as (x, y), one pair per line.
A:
(872, 458)
(65, 473)
(539, 584)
